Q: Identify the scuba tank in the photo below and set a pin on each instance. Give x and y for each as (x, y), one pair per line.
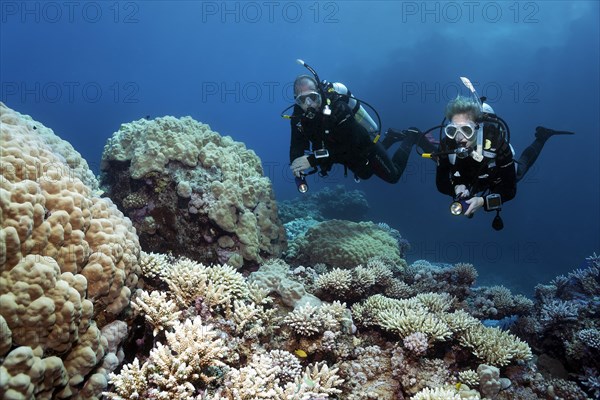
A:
(361, 116)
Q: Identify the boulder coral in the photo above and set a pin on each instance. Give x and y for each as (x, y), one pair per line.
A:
(343, 244)
(68, 263)
(191, 191)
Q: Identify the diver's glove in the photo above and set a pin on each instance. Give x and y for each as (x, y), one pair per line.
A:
(475, 203)
(340, 113)
(300, 164)
(461, 192)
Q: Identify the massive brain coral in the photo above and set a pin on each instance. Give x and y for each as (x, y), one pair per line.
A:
(68, 262)
(192, 191)
(343, 244)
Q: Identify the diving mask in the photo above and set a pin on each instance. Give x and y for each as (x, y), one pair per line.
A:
(308, 99)
(467, 130)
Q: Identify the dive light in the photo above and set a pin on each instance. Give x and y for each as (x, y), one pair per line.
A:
(458, 207)
(301, 184)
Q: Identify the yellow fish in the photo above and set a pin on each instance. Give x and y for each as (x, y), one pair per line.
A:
(300, 353)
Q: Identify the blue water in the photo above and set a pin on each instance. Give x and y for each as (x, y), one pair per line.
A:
(83, 68)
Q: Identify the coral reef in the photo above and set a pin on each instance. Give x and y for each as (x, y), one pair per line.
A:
(497, 302)
(423, 276)
(68, 263)
(191, 191)
(427, 345)
(564, 325)
(327, 203)
(353, 322)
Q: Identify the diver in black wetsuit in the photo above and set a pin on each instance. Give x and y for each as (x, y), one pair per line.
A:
(475, 163)
(329, 126)
(474, 158)
(489, 169)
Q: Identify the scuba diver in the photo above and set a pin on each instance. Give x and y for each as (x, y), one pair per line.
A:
(330, 126)
(475, 163)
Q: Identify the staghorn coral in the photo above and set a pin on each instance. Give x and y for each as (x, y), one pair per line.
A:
(159, 312)
(413, 321)
(460, 321)
(218, 285)
(494, 346)
(442, 394)
(497, 302)
(591, 381)
(290, 367)
(253, 320)
(558, 312)
(406, 317)
(154, 265)
(303, 321)
(337, 282)
(354, 284)
(258, 378)
(398, 290)
(564, 318)
(590, 337)
(274, 376)
(204, 195)
(173, 370)
(423, 276)
(469, 377)
(130, 383)
(309, 321)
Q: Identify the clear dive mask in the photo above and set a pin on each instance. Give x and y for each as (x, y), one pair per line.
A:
(467, 130)
(308, 99)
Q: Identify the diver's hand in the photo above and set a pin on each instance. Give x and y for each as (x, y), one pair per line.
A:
(461, 192)
(475, 203)
(299, 165)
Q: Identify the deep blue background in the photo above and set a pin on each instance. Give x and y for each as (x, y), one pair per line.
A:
(83, 68)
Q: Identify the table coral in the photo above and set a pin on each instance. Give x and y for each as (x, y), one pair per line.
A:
(424, 314)
(186, 187)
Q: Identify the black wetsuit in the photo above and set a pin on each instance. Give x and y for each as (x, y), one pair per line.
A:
(347, 142)
(494, 174)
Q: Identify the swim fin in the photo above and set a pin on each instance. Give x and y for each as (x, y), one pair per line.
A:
(545, 133)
